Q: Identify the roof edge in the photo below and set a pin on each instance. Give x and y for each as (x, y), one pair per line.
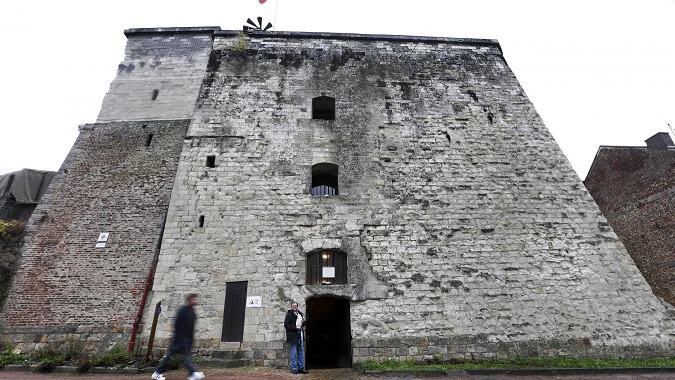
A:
(164, 30)
(358, 36)
(631, 147)
(216, 31)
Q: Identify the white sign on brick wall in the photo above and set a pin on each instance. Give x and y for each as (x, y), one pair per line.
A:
(102, 239)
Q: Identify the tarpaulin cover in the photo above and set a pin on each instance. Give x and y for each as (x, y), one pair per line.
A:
(27, 185)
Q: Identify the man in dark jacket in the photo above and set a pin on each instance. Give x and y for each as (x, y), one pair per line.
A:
(183, 337)
(295, 336)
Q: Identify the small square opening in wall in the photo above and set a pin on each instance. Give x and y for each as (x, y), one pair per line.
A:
(201, 221)
(154, 94)
(323, 108)
(210, 161)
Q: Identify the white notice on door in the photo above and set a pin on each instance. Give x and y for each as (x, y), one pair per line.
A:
(328, 272)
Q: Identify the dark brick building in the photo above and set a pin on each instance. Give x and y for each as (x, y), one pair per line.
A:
(635, 189)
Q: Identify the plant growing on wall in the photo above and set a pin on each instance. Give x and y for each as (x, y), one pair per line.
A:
(240, 44)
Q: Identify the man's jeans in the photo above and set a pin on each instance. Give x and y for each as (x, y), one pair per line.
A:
(173, 349)
(297, 356)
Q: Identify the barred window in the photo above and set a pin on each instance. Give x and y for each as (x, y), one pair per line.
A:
(326, 268)
(324, 180)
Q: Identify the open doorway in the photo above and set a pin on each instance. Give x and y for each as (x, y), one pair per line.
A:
(328, 333)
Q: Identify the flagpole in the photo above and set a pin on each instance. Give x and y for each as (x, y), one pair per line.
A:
(274, 23)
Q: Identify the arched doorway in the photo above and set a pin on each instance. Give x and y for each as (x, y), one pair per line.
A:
(328, 333)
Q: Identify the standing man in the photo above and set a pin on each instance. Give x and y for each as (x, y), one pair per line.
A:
(183, 337)
(295, 336)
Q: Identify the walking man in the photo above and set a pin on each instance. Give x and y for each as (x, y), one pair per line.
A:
(295, 336)
(183, 337)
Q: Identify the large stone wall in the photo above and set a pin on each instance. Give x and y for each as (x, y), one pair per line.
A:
(467, 232)
(160, 75)
(635, 188)
(114, 180)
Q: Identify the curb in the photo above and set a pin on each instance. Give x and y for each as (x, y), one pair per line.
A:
(75, 370)
(522, 371)
(403, 372)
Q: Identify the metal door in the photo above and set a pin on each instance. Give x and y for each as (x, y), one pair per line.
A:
(235, 309)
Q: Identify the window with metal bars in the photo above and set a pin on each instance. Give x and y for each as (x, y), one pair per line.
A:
(324, 180)
(326, 268)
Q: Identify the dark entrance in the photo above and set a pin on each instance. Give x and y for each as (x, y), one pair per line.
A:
(235, 309)
(328, 333)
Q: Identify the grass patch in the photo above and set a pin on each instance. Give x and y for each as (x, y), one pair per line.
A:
(437, 364)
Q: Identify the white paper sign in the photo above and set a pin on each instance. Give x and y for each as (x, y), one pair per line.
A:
(103, 236)
(255, 301)
(100, 245)
(328, 272)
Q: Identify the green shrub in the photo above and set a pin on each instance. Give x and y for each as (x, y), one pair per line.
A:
(115, 357)
(72, 351)
(175, 362)
(49, 357)
(11, 230)
(9, 356)
(46, 359)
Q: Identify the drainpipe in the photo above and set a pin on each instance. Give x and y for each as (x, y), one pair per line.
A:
(146, 290)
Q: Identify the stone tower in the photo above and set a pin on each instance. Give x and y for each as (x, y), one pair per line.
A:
(402, 189)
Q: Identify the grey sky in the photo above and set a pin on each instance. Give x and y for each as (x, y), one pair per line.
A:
(599, 72)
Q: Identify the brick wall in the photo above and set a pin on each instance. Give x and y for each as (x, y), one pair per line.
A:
(635, 188)
(110, 182)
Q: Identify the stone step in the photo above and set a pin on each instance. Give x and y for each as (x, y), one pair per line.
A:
(231, 354)
(225, 363)
(229, 359)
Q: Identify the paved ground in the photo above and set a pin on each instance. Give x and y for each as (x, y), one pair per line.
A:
(331, 374)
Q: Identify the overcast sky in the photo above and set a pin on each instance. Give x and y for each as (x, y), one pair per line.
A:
(599, 72)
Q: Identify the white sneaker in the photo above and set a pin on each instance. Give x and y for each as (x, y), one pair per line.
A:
(197, 376)
(158, 376)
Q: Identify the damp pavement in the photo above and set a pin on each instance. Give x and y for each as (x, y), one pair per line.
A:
(258, 373)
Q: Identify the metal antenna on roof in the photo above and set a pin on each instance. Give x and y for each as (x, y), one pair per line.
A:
(253, 26)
